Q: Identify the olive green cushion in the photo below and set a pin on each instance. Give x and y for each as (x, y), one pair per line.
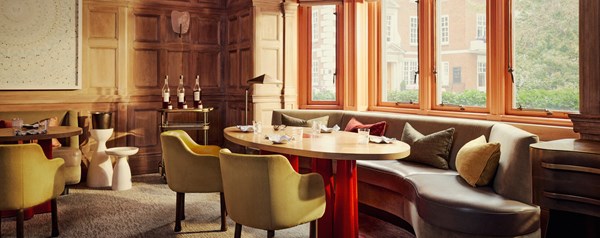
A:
(432, 149)
(477, 161)
(292, 121)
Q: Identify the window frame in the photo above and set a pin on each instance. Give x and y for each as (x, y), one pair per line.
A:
(498, 79)
(305, 59)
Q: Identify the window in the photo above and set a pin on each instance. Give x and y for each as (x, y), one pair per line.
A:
(481, 74)
(466, 55)
(315, 26)
(445, 30)
(321, 56)
(399, 58)
(533, 68)
(546, 55)
(414, 31)
(480, 27)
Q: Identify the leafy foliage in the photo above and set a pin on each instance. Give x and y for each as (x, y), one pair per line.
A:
(323, 95)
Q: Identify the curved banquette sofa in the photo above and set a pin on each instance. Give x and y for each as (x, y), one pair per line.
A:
(439, 202)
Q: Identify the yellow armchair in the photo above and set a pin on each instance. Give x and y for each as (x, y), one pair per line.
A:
(27, 179)
(264, 192)
(191, 168)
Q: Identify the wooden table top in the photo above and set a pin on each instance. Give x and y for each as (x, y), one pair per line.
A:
(7, 134)
(339, 145)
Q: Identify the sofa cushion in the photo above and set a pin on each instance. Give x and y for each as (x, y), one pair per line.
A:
(432, 149)
(293, 121)
(390, 174)
(449, 202)
(376, 129)
(476, 161)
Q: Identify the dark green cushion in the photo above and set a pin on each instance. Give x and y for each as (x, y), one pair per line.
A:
(292, 121)
(432, 149)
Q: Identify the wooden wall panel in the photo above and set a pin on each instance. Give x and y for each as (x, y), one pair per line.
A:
(147, 28)
(234, 69)
(246, 66)
(104, 24)
(103, 71)
(208, 67)
(233, 30)
(146, 75)
(247, 31)
(206, 30)
(178, 64)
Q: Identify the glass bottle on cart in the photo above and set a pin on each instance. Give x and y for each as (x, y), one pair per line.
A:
(197, 92)
(181, 94)
(166, 94)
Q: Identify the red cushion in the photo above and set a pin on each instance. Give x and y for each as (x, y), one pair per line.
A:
(376, 129)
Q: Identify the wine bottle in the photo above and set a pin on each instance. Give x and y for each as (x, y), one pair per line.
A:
(197, 91)
(166, 93)
(180, 94)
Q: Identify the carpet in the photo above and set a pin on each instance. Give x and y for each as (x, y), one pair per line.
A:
(148, 210)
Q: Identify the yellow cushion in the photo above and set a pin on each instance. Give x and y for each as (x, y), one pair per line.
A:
(476, 161)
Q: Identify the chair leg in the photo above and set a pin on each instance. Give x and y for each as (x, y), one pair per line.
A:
(54, 212)
(183, 207)
(223, 213)
(20, 218)
(270, 233)
(313, 229)
(178, 209)
(238, 230)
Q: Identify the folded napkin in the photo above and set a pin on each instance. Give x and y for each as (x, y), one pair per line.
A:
(381, 139)
(30, 132)
(279, 139)
(245, 128)
(325, 129)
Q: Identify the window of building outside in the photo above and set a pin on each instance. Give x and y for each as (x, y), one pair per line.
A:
(466, 53)
(480, 27)
(323, 80)
(399, 55)
(545, 39)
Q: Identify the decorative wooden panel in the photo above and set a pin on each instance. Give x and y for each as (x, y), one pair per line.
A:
(178, 64)
(269, 27)
(147, 28)
(234, 70)
(103, 24)
(233, 29)
(246, 27)
(206, 30)
(146, 74)
(246, 66)
(104, 68)
(208, 67)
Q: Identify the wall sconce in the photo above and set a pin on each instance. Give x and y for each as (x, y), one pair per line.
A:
(180, 22)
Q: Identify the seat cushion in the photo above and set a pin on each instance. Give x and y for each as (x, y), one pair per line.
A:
(72, 166)
(449, 202)
(390, 174)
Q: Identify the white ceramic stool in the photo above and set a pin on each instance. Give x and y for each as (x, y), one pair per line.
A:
(121, 179)
(100, 171)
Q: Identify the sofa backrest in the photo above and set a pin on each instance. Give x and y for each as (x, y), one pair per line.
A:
(65, 118)
(513, 177)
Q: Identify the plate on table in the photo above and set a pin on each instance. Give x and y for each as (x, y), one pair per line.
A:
(245, 128)
(279, 139)
(381, 139)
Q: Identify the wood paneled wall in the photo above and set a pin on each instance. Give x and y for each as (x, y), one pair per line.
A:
(129, 47)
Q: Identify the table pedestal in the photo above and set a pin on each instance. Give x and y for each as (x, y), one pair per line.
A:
(100, 172)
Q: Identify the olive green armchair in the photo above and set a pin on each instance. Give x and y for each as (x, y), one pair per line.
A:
(264, 192)
(27, 179)
(191, 168)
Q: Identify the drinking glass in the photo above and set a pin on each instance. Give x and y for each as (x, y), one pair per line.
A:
(297, 134)
(257, 126)
(363, 135)
(316, 127)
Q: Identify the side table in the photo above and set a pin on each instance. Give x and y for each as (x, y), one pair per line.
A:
(566, 181)
(121, 179)
(100, 171)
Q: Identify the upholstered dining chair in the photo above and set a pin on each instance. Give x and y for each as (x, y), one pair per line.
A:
(27, 179)
(191, 168)
(264, 192)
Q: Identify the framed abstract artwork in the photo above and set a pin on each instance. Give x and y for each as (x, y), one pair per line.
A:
(40, 45)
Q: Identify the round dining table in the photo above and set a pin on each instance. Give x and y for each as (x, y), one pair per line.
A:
(7, 135)
(341, 212)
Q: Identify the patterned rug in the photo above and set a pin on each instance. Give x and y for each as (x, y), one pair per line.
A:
(148, 210)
